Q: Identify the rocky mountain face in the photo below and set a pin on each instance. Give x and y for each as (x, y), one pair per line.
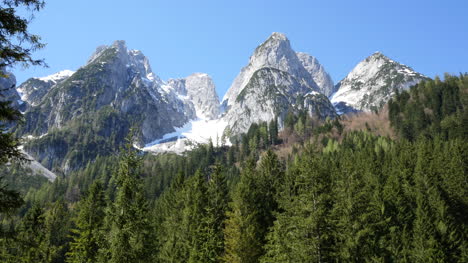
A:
(34, 89)
(270, 93)
(198, 90)
(99, 104)
(372, 82)
(275, 81)
(72, 117)
(8, 90)
(318, 73)
(275, 52)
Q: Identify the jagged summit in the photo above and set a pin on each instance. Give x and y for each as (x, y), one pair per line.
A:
(275, 52)
(118, 45)
(278, 36)
(272, 83)
(318, 72)
(372, 82)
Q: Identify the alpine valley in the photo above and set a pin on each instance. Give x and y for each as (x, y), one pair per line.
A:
(73, 117)
(285, 167)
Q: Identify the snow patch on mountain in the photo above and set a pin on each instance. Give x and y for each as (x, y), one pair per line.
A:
(372, 82)
(58, 76)
(187, 137)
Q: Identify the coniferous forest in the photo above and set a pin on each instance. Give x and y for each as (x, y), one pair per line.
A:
(315, 192)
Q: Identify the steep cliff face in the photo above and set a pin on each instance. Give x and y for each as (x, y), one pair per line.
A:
(372, 82)
(318, 73)
(8, 90)
(33, 90)
(275, 52)
(198, 91)
(274, 82)
(115, 91)
(271, 93)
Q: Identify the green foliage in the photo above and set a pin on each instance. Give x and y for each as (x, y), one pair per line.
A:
(431, 108)
(252, 210)
(32, 237)
(129, 223)
(89, 233)
(16, 42)
(354, 198)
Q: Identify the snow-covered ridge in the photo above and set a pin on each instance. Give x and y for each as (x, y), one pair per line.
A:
(372, 81)
(58, 76)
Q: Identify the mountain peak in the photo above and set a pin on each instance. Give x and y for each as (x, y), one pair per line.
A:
(278, 36)
(377, 56)
(318, 73)
(120, 44)
(372, 82)
(276, 52)
(274, 41)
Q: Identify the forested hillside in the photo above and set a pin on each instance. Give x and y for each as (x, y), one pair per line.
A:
(317, 191)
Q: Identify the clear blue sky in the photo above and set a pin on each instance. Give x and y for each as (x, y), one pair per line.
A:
(217, 37)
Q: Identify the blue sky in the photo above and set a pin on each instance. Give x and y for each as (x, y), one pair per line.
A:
(217, 37)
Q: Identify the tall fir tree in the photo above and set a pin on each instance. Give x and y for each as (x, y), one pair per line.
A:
(32, 236)
(252, 210)
(130, 227)
(57, 224)
(212, 246)
(302, 231)
(88, 236)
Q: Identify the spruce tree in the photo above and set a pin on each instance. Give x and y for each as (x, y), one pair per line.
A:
(302, 231)
(88, 235)
(130, 227)
(252, 210)
(32, 236)
(212, 246)
(169, 216)
(57, 224)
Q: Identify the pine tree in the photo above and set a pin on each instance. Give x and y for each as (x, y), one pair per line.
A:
(169, 215)
(88, 235)
(32, 236)
(212, 237)
(302, 232)
(57, 231)
(130, 227)
(195, 203)
(252, 210)
(241, 241)
(14, 49)
(273, 131)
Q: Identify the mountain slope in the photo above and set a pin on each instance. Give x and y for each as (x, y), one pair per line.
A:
(8, 88)
(318, 73)
(199, 90)
(274, 82)
(275, 52)
(33, 90)
(372, 82)
(99, 103)
(271, 93)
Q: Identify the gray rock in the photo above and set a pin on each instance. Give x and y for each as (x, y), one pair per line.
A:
(8, 90)
(275, 52)
(274, 82)
(372, 83)
(320, 76)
